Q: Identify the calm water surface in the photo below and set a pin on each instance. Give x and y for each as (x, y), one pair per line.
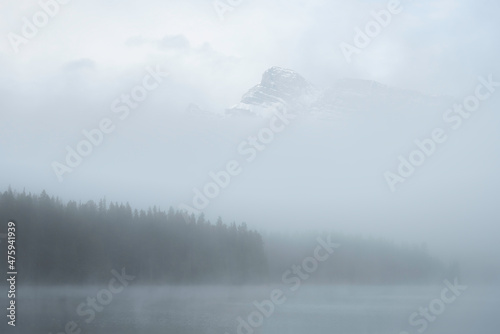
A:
(211, 310)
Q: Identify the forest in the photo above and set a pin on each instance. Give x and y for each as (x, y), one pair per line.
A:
(80, 243)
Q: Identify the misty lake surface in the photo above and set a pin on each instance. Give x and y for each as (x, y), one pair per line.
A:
(211, 310)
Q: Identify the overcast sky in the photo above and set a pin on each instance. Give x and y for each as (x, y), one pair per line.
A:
(454, 39)
(65, 78)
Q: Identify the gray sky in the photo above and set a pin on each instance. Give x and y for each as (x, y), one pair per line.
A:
(66, 77)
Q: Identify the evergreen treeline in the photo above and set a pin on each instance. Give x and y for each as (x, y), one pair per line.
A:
(78, 243)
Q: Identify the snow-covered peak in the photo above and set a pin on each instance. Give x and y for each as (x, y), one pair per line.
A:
(280, 78)
(286, 89)
(279, 89)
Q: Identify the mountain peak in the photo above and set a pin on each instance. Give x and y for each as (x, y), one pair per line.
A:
(280, 89)
(276, 73)
(283, 80)
(285, 89)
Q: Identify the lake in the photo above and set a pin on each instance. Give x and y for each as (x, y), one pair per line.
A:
(219, 309)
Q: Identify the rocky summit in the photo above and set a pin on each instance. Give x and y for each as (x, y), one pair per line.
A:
(282, 89)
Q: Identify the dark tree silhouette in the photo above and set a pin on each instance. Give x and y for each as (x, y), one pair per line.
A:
(78, 243)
